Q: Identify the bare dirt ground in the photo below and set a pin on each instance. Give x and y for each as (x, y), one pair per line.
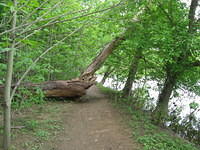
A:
(93, 125)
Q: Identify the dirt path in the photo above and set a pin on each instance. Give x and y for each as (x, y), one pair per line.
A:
(93, 125)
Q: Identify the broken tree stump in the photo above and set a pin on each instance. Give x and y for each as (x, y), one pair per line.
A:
(75, 87)
(59, 88)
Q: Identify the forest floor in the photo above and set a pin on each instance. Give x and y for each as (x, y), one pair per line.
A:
(91, 125)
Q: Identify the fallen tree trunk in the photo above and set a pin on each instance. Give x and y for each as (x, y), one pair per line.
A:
(75, 87)
(59, 88)
(103, 55)
(70, 88)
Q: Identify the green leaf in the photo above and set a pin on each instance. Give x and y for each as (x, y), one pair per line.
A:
(194, 105)
(2, 4)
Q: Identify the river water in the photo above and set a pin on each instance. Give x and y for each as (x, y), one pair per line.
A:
(182, 101)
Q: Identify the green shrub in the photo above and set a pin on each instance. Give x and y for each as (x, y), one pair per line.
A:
(26, 98)
(164, 142)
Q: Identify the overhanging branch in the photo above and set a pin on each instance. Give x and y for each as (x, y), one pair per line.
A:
(58, 21)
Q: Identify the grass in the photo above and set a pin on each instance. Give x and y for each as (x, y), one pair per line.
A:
(42, 134)
(40, 123)
(150, 136)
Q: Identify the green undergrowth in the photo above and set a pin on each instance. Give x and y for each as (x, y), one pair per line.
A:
(34, 126)
(150, 136)
(25, 98)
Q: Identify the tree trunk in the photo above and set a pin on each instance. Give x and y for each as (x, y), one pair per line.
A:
(106, 74)
(7, 100)
(132, 72)
(161, 111)
(191, 16)
(100, 59)
(60, 88)
(75, 87)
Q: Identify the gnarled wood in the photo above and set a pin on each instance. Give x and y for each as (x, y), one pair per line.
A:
(75, 87)
(60, 88)
(71, 88)
(100, 59)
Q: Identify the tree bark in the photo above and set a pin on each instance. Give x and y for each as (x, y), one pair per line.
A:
(75, 87)
(100, 59)
(70, 88)
(191, 16)
(132, 72)
(59, 88)
(7, 100)
(161, 111)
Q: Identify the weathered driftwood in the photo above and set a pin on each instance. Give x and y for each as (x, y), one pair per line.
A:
(75, 87)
